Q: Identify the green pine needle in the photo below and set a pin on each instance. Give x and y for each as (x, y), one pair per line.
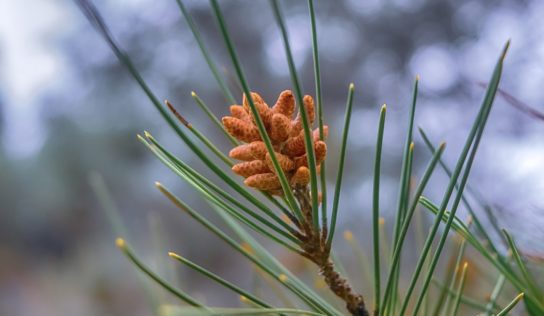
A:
(339, 176)
(213, 118)
(459, 292)
(512, 304)
(319, 100)
(495, 295)
(121, 244)
(472, 139)
(188, 311)
(308, 139)
(395, 266)
(219, 280)
(376, 211)
(529, 279)
(216, 74)
(199, 135)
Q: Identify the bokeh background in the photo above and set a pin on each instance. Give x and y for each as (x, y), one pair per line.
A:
(68, 110)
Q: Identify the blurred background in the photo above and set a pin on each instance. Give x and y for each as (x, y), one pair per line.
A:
(69, 109)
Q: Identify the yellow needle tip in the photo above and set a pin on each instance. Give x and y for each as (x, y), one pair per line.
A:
(174, 255)
(348, 235)
(120, 242)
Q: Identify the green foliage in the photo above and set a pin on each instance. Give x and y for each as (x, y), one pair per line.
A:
(244, 208)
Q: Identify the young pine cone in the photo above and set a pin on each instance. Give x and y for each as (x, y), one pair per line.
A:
(287, 136)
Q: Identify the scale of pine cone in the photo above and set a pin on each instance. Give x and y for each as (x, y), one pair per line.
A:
(287, 136)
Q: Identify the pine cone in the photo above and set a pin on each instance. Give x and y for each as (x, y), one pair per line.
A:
(287, 138)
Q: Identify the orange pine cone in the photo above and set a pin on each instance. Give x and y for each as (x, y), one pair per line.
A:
(279, 128)
(262, 108)
(286, 135)
(286, 164)
(320, 149)
(295, 145)
(285, 104)
(325, 133)
(250, 168)
(258, 150)
(296, 125)
(310, 109)
(257, 100)
(242, 152)
(239, 112)
(263, 181)
(241, 130)
(301, 161)
(248, 152)
(301, 177)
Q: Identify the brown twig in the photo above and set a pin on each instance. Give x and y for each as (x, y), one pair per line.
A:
(315, 249)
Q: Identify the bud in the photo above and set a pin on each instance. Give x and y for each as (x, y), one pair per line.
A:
(286, 135)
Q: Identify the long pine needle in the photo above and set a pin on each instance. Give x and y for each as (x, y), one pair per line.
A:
(340, 174)
(376, 210)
